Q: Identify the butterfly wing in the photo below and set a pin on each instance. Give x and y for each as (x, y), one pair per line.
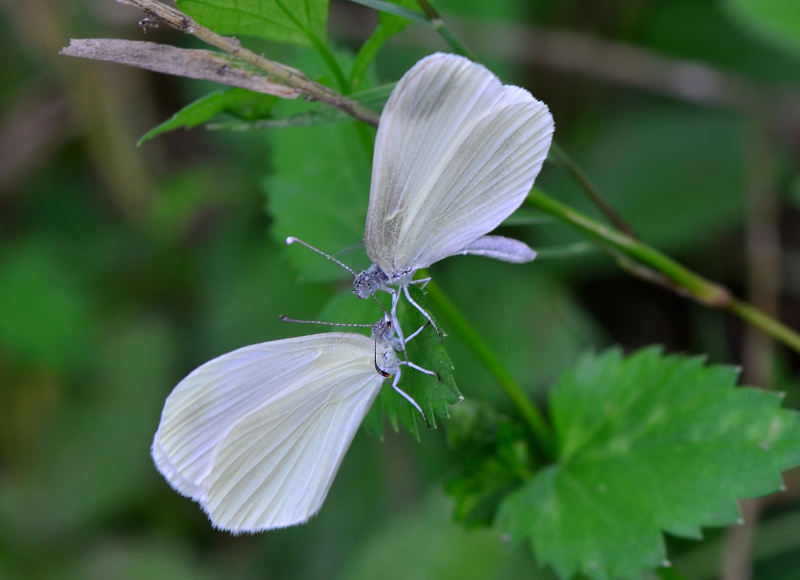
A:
(256, 435)
(500, 248)
(456, 153)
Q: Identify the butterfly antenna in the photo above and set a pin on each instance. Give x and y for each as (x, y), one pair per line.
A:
(292, 240)
(385, 312)
(285, 318)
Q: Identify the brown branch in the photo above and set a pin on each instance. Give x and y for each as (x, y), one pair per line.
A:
(196, 64)
(158, 12)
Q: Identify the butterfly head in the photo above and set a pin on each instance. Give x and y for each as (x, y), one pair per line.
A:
(369, 281)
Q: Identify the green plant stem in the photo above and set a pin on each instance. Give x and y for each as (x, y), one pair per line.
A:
(590, 189)
(438, 23)
(663, 269)
(456, 320)
(765, 323)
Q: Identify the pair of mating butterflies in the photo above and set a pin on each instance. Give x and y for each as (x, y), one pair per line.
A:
(257, 435)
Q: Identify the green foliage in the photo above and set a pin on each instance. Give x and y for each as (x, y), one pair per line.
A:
(39, 290)
(432, 394)
(388, 25)
(294, 21)
(774, 21)
(95, 459)
(318, 191)
(103, 310)
(527, 314)
(647, 444)
(495, 459)
(424, 545)
(319, 114)
(701, 31)
(239, 103)
(675, 174)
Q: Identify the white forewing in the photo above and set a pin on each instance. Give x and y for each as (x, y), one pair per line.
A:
(256, 435)
(456, 153)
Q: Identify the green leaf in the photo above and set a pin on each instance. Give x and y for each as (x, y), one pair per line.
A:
(776, 22)
(293, 21)
(424, 544)
(402, 9)
(675, 174)
(432, 394)
(388, 25)
(495, 459)
(701, 31)
(240, 103)
(648, 444)
(317, 114)
(318, 191)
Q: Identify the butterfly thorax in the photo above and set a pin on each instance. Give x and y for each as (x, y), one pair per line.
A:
(374, 278)
(386, 345)
(386, 358)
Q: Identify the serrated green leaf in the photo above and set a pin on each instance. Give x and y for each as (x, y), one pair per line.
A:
(647, 444)
(495, 459)
(432, 394)
(292, 21)
(777, 22)
(318, 191)
(240, 103)
(388, 25)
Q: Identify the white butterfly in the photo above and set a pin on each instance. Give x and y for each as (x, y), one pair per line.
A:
(456, 153)
(257, 435)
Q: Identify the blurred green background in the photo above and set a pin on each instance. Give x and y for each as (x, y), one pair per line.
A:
(123, 268)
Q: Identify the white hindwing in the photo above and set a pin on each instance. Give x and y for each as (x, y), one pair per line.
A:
(455, 154)
(256, 435)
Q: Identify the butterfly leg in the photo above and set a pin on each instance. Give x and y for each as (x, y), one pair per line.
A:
(398, 330)
(417, 331)
(422, 282)
(408, 398)
(422, 310)
(423, 370)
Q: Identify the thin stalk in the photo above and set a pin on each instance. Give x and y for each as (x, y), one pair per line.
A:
(765, 323)
(682, 280)
(590, 189)
(438, 23)
(514, 391)
(321, 48)
(698, 287)
(330, 61)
